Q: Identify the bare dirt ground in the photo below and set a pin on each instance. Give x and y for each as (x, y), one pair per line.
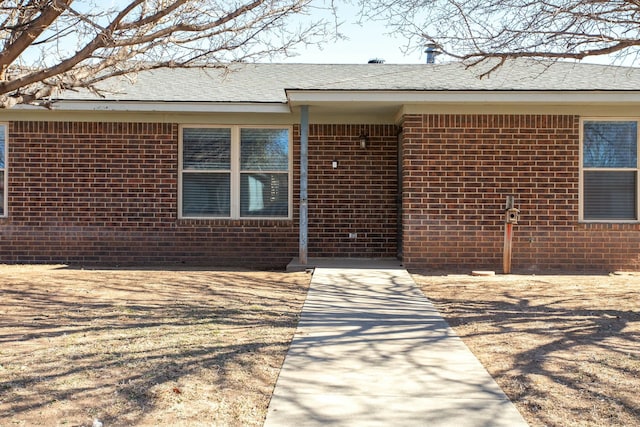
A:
(142, 347)
(194, 348)
(565, 349)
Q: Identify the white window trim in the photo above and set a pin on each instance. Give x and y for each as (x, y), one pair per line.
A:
(5, 200)
(235, 172)
(582, 170)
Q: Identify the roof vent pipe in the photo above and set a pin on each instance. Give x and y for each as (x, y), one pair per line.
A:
(432, 51)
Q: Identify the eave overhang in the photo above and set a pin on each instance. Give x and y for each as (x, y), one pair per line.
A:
(374, 106)
(297, 97)
(167, 107)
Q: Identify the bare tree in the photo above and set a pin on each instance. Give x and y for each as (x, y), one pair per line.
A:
(53, 45)
(476, 30)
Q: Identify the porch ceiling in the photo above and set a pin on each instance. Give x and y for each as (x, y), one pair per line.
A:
(355, 112)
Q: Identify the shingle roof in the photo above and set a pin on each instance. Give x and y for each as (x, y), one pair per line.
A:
(268, 82)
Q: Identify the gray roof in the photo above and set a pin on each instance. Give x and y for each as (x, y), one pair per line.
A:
(269, 82)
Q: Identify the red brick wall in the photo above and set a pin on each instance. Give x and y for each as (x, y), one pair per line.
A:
(107, 193)
(359, 196)
(458, 170)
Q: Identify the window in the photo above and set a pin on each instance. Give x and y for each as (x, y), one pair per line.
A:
(610, 170)
(235, 172)
(3, 170)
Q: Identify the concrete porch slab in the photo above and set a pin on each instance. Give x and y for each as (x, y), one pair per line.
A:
(365, 263)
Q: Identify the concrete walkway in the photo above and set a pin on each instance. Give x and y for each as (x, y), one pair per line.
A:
(371, 350)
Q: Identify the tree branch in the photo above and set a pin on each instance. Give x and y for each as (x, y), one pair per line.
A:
(475, 30)
(29, 34)
(140, 35)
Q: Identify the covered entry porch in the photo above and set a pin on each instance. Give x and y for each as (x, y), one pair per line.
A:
(348, 188)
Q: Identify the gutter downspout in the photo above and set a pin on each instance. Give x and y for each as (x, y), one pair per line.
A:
(304, 167)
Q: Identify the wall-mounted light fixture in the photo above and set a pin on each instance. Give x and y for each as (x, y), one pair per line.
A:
(364, 139)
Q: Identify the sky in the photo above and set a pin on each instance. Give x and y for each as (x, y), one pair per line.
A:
(371, 41)
(365, 41)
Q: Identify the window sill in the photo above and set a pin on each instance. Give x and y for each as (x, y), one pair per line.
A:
(227, 218)
(236, 222)
(610, 225)
(606, 222)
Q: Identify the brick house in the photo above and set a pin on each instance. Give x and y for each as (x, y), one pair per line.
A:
(210, 167)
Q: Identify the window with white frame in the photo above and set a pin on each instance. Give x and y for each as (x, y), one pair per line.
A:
(3, 170)
(235, 172)
(610, 170)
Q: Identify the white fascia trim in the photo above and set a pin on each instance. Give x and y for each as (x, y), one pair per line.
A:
(302, 97)
(169, 107)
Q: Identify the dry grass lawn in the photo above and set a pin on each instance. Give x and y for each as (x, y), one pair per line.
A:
(193, 348)
(142, 347)
(565, 349)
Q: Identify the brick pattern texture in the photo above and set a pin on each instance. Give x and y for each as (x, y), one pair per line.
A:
(359, 197)
(106, 193)
(457, 172)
